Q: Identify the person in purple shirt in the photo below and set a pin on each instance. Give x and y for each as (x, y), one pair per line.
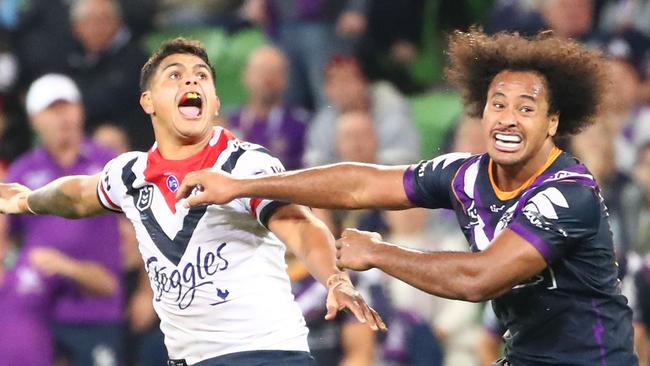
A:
(265, 119)
(87, 327)
(28, 295)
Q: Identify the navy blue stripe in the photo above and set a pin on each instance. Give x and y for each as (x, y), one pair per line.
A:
(268, 210)
(229, 165)
(171, 249)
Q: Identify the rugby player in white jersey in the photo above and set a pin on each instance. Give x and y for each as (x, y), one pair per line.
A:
(218, 271)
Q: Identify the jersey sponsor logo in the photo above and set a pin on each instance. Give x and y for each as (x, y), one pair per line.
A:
(182, 283)
(172, 183)
(145, 197)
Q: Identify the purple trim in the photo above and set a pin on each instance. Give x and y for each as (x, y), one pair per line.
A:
(484, 214)
(598, 330)
(408, 180)
(542, 247)
(458, 183)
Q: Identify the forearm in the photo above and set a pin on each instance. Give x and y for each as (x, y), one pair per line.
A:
(315, 249)
(91, 277)
(451, 275)
(71, 197)
(344, 185)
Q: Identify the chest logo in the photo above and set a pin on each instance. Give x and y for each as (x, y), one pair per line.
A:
(172, 183)
(145, 197)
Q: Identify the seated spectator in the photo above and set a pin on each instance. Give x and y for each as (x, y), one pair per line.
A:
(349, 90)
(266, 119)
(489, 343)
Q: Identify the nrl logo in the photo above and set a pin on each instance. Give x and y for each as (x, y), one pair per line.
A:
(145, 197)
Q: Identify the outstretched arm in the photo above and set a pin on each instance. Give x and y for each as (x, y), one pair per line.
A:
(510, 260)
(310, 240)
(344, 185)
(71, 197)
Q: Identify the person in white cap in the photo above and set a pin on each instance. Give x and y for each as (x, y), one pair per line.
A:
(87, 328)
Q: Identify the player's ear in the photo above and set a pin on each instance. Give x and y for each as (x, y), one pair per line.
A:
(145, 102)
(554, 121)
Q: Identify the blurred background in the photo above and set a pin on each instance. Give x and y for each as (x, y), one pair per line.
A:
(316, 82)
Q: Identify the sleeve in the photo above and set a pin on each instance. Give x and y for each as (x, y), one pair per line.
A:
(428, 184)
(108, 186)
(557, 216)
(255, 160)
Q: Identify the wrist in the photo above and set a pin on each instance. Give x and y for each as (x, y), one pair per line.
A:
(23, 205)
(337, 279)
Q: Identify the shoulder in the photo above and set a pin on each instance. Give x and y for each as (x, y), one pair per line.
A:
(565, 198)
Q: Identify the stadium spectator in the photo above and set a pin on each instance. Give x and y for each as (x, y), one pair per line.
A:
(218, 273)
(265, 119)
(348, 89)
(309, 32)
(539, 232)
(87, 328)
(106, 68)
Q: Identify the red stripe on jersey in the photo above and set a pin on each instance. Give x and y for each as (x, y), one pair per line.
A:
(254, 203)
(108, 199)
(168, 174)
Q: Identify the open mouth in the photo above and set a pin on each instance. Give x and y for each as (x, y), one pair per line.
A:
(190, 105)
(507, 141)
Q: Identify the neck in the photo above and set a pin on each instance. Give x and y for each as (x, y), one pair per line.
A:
(173, 149)
(65, 155)
(512, 177)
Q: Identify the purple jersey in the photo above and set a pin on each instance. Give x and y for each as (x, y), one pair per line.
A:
(27, 299)
(571, 313)
(282, 132)
(95, 239)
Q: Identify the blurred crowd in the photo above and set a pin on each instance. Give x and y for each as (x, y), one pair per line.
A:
(334, 80)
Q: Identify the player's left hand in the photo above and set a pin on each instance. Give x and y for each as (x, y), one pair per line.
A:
(354, 248)
(341, 294)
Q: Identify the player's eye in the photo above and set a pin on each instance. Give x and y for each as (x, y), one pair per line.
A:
(175, 75)
(526, 109)
(202, 75)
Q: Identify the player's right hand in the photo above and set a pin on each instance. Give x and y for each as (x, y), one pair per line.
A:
(13, 198)
(207, 186)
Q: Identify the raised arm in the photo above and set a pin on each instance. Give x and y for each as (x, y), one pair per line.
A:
(311, 241)
(344, 185)
(71, 197)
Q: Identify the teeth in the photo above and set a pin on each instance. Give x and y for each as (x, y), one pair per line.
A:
(192, 95)
(508, 138)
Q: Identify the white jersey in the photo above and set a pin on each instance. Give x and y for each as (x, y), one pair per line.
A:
(218, 274)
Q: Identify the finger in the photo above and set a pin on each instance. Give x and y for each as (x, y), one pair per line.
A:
(196, 200)
(355, 308)
(379, 321)
(338, 244)
(187, 186)
(332, 308)
(349, 231)
(369, 316)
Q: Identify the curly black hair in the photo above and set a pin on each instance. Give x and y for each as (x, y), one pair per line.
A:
(175, 46)
(575, 75)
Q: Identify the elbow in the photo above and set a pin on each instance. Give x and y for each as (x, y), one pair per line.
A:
(480, 287)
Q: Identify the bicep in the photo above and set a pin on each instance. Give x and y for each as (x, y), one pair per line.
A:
(89, 200)
(293, 223)
(385, 188)
(507, 262)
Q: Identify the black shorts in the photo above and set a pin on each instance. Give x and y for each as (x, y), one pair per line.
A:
(255, 358)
